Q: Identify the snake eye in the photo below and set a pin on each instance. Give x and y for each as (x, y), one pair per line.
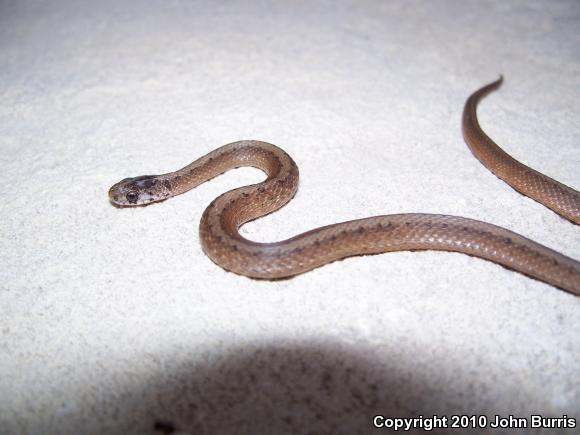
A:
(132, 197)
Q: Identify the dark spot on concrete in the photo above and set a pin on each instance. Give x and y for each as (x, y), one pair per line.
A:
(326, 380)
(164, 426)
(508, 241)
(361, 230)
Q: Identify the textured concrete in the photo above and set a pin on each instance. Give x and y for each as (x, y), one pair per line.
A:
(114, 321)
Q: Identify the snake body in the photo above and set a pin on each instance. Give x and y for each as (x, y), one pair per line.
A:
(222, 242)
(557, 196)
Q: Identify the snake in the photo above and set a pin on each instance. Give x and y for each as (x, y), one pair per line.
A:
(219, 229)
(554, 195)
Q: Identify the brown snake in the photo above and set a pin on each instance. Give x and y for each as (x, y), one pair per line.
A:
(220, 223)
(557, 196)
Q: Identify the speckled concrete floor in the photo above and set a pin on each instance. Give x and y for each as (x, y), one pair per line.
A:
(114, 321)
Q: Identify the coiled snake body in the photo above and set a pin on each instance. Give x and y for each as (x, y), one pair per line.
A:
(222, 219)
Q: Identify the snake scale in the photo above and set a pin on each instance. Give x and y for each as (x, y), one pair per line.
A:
(220, 223)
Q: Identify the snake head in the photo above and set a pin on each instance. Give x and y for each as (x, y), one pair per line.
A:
(137, 191)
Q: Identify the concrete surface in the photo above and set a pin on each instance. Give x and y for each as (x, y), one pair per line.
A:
(114, 321)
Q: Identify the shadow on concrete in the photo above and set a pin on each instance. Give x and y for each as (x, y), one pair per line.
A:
(305, 388)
